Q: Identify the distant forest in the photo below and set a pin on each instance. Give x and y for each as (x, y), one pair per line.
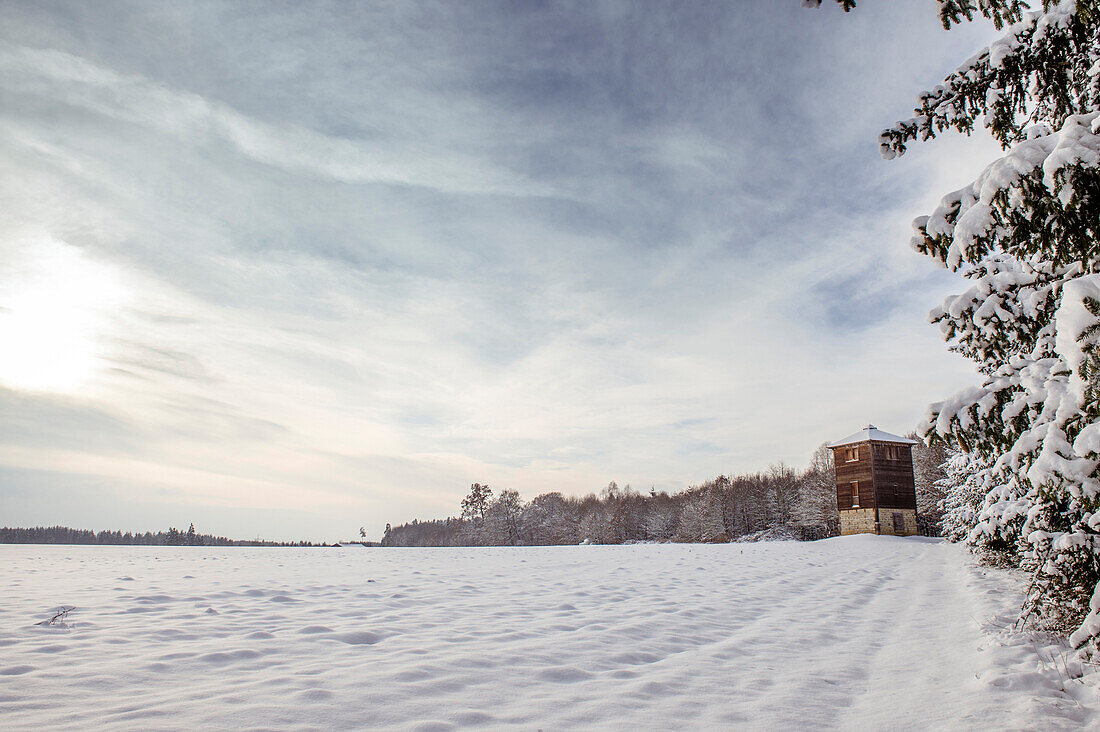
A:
(172, 537)
(781, 502)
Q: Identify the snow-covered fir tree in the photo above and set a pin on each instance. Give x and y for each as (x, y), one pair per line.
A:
(1025, 234)
(965, 485)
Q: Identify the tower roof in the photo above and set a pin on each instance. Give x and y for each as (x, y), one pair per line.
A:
(869, 433)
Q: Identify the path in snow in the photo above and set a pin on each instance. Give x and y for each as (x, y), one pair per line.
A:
(856, 632)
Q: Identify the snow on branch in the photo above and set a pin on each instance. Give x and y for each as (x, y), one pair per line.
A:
(1038, 70)
(955, 11)
(1044, 191)
(1078, 339)
(1001, 12)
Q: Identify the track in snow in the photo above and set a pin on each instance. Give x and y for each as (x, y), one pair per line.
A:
(856, 632)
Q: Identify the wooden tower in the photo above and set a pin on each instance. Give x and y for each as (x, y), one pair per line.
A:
(875, 491)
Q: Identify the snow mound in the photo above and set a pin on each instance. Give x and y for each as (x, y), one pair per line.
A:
(775, 533)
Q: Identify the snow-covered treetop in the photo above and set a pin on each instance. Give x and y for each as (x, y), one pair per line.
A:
(870, 433)
(846, 4)
(1000, 210)
(1039, 70)
(1001, 12)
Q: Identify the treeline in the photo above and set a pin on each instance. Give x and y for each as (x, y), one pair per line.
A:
(171, 537)
(779, 503)
(719, 510)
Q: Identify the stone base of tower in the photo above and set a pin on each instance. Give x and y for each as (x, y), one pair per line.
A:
(857, 521)
(891, 521)
(890, 524)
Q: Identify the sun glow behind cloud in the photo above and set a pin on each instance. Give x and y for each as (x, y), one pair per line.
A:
(53, 308)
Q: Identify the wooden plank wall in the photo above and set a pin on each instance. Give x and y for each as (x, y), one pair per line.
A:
(847, 472)
(883, 483)
(894, 474)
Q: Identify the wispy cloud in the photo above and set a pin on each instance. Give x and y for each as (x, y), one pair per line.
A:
(374, 253)
(194, 120)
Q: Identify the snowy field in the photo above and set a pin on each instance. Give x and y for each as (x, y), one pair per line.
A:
(856, 632)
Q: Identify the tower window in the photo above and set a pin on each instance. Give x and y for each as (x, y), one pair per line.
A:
(851, 454)
(855, 494)
(893, 452)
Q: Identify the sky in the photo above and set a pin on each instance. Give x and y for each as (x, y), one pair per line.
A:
(289, 269)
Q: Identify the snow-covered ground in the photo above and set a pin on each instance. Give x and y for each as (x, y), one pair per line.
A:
(856, 632)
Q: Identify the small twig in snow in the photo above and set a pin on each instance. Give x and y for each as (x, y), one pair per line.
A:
(59, 616)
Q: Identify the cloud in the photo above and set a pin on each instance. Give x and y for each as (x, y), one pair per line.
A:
(195, 120)
(373, 254)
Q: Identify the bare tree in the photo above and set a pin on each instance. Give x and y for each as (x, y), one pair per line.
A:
(928, 474)
(817, 499)
(502, 520)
